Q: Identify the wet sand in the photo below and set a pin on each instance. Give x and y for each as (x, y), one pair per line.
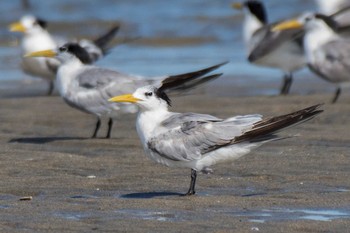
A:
(78, 184)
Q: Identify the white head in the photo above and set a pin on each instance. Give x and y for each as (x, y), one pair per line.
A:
(148, 98)
(29, 25)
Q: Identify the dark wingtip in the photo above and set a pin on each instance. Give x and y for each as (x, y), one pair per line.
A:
(340, 11)
(103, 40)
(196, 83)
(176, 80)
(269, 127)
(252, 57)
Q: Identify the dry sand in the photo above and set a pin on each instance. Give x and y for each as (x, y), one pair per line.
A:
(80, 184)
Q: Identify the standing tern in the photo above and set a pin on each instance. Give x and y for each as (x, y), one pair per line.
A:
(87, 87)
(282, 50)
(198, 141)
(327, 52)
(37, 38)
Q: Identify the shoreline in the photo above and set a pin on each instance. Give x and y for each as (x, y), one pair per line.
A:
(78, 183)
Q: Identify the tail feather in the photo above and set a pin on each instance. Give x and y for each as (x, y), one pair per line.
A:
(103, 40)
(272, 125)
(178, 80)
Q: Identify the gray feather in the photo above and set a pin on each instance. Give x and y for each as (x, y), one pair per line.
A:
(332, 61)
(189, 136)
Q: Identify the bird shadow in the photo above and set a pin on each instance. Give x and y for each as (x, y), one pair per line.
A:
(43, 140)
(147, 195)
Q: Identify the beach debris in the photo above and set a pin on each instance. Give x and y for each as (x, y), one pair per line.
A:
(26, 198)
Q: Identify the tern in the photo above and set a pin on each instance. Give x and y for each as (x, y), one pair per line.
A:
(37, 38)
(338, 7)
(327, 52)
(87, 88)
(339, 10)
(282, 50)
(198, 141)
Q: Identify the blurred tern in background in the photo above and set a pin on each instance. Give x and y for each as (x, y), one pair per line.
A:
(37, 38)
(327, 52)
(198, 141)
(282, 50)
(88, 88)
(338, 7)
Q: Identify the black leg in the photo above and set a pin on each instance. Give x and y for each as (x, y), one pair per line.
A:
(336, 96)
(110, 124)
(191, 190)
(98, 124)
(51, 86)
(287, 83)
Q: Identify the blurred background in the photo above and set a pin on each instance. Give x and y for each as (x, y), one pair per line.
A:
(156, 37)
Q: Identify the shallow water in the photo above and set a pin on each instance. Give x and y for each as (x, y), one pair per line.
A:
(257, 216)
(170, 38)
(274, 214)
(284, 214)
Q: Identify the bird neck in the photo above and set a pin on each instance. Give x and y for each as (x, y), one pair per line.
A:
(148, 122)
(66, 73)
(316, 38)
(250, 25)
(34, 42)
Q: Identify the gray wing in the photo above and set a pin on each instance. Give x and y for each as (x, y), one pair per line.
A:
(109, 81)
(265, 41)
(181, 118)
(332, 61)
(94, 86)
(196, 135)
(53, 65)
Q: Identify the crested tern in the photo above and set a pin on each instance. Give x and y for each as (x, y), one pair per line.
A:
(328, 7)
(326, 51)
(282, 50)
(37, 38)
(87, 88)
(198, 141)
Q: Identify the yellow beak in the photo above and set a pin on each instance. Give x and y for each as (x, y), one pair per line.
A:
(290, 24)
(17, 27)
(237, 5)
(124, 98)
(43, 53)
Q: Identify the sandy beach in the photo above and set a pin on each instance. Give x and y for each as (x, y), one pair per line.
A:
(78, 184)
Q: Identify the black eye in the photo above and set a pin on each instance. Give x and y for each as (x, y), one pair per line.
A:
(148, 93)
(308, 18)
(63, 49)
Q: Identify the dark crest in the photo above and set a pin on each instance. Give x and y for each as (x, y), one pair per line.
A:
(257, 9)
(42, 23)
(78, 51)
(328, 20)
(162, 95)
